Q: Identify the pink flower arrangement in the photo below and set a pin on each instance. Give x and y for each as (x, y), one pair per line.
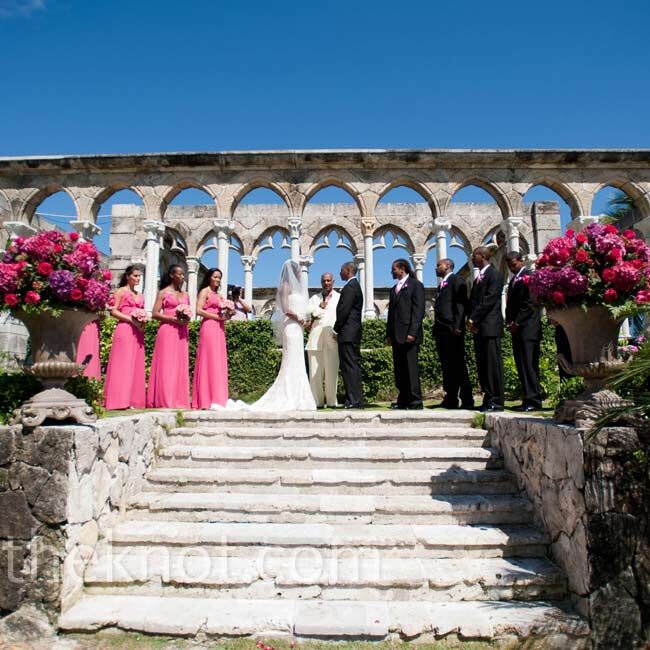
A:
(598, 266)
(51, 270)
(183, 312)
(140, 315)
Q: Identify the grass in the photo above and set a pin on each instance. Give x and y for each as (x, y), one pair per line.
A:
(137, 641)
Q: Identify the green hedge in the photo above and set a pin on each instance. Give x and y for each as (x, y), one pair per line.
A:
(254, 359)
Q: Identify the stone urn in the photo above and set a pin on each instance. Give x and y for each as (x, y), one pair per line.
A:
(593, 338)
(54, 341)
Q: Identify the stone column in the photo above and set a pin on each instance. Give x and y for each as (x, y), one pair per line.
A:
(418, 261)
(441, 226)
(249, 264)
(19, 229)
(223, 228)
(368, 231)
(193, 264)
(87, 230)
(154, 230)
(295, 227)
(510, 228)
(305, 262)
(580, 223)
(359, 260)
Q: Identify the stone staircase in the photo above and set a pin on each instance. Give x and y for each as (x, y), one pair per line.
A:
(335, 524)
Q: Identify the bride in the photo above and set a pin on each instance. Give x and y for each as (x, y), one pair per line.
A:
(290, 390)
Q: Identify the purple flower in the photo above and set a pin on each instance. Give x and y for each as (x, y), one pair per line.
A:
(97, 294)
(61, 283)
(571, 282)
(544, 282)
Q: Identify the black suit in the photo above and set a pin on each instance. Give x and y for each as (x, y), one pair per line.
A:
(405, 316)
(485, 313)
(348, 330)
(450, 309)
(526, 341)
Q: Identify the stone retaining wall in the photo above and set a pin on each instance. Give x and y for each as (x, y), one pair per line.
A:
(592, 496)
(61, 488)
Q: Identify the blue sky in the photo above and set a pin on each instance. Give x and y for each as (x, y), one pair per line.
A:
(103, 77)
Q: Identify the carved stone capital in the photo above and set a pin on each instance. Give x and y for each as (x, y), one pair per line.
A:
(441, 225)
(368, 227)
(418, 261)
(359, 260)
(223, 227)
(87, 230)
(193, 264)
(154, 230)
(249, 262)
(305, 261)
(19, 229)
(295, 227)
(510, 226)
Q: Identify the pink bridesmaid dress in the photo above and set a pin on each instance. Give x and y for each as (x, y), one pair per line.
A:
(210, 385)
(125, 378)
(169, 377)
(89, 344)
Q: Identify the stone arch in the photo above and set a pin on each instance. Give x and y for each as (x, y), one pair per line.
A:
(256, 184)
(184, 184)
(563, 190)
(396, 231)
(416, 186)
(105, 193)
(493, 189)
(38, 196)
(332, 181)
(264, 241)
(328, 230)
(636, 192)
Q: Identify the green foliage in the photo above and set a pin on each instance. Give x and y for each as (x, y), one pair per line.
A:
(180, 419)
(478, 421)
(567, 389)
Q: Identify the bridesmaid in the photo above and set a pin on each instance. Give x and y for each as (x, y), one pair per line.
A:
(125, 376)
(210, 385)
(89, 345)
(169, 377)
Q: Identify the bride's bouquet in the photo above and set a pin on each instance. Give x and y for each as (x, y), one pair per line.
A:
(183, 312)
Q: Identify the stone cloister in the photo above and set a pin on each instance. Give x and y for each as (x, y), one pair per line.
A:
(157, 232)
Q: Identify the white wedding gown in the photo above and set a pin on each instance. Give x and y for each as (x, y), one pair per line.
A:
(290, 390)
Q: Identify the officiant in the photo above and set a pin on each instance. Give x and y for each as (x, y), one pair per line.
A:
(322, 347)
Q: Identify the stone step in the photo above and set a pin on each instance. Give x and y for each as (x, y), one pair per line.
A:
(329, 457)
(335, 508)
(358, 436)
(337, 419)
(163, 574)
(358, 540)
(316, 619)
(453, 480)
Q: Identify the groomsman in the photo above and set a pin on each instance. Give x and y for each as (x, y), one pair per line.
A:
(322, 350)
(347, 330)
(523, 321)
(404, 333)
(449, 333)
(485, 321)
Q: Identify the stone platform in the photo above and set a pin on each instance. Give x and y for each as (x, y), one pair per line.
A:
(330, 525)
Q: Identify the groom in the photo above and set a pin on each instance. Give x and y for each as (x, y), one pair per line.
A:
(347, 330)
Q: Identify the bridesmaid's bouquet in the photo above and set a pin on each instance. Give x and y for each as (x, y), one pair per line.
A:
(227, 307)
(183, 312)
(140, 315)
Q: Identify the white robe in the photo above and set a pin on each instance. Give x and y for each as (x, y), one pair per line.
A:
(322, 350)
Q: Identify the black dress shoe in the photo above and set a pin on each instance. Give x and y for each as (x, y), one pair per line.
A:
(468, 407)
(395, 406)
(353, 406)
(493, 408)
(414, 407)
